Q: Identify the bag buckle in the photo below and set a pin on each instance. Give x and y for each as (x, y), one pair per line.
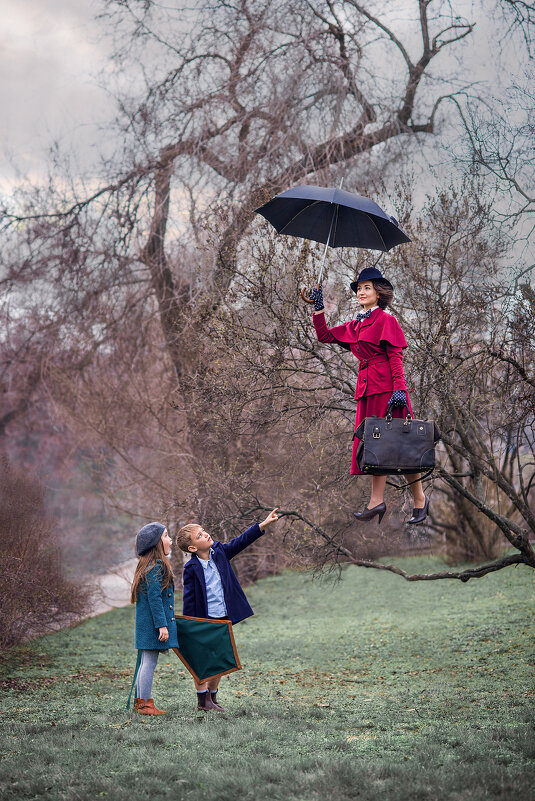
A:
(376, 433)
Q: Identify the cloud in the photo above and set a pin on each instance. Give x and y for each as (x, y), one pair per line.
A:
(49, 53)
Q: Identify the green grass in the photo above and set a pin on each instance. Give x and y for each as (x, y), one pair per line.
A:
(371, 688)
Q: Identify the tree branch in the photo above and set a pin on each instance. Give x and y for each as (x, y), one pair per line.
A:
(461, 575)
(517, 536)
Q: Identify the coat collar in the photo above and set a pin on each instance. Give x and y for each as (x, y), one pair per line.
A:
(375, 315)
(214, 554)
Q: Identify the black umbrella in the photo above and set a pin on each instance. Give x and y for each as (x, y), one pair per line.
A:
(333, 216)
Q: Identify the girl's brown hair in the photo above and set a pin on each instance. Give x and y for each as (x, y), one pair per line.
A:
(156, 556)
(385, 294)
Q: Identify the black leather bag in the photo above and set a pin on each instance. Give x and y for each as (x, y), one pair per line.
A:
(394, 445)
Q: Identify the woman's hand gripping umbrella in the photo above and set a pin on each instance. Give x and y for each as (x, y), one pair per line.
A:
(334, 217)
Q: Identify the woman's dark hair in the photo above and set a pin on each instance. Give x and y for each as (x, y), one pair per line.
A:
(385, 293)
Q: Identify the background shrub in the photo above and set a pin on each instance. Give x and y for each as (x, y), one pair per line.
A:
(35, 594)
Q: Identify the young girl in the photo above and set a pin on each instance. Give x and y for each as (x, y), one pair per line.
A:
(153, 594)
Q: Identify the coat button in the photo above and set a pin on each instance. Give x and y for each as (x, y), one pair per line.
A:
(170, 606)
(169, 594)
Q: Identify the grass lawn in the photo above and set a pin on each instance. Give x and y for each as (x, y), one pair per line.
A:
(370, 688)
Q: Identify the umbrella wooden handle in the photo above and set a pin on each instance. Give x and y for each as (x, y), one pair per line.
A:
(305, 297)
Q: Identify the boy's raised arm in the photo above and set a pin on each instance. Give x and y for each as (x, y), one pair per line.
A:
(249, 536)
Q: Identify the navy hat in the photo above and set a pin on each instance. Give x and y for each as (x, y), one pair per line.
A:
(370, 274)
(148, 536)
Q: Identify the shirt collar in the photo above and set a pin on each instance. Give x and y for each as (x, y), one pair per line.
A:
(205, 562)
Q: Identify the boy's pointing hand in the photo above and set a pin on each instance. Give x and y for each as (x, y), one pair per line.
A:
(272, 516)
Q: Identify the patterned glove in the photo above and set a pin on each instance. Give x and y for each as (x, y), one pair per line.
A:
(317, 297)
(398, 399)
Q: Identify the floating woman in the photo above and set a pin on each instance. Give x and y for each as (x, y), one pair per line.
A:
(376, 339)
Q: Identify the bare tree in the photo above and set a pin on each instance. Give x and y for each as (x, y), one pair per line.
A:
(470, 366)
(239, 101)
(519, 15)
(234, 104)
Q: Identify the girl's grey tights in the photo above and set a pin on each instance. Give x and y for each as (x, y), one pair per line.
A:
(145, 673)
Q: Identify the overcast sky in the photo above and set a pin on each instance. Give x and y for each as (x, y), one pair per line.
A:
(49, 56)
(51, 52)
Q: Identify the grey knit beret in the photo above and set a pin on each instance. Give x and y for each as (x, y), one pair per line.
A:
(148, 536)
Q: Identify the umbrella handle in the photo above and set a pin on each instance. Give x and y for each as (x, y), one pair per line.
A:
(305, 296)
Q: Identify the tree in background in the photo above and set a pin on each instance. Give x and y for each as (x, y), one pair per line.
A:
(470, 365)
(147, 306)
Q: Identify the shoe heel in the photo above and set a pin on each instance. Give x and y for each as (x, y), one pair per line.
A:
(380, 516)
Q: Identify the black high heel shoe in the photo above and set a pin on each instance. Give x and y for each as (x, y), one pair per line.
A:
(419, 515)
(369, 514)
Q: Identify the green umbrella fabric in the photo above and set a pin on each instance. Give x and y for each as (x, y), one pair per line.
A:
(206, 647)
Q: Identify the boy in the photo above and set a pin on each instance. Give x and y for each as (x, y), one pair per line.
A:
(211, 588)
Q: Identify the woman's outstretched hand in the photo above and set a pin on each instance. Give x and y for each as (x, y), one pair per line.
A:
(317, 297)
(398, 399)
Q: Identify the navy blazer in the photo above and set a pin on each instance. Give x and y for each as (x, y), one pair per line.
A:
(195, 600)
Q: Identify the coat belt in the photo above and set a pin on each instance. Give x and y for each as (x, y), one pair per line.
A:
(373, 360)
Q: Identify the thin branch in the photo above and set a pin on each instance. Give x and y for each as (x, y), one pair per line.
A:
(513, 362)
(461, 575)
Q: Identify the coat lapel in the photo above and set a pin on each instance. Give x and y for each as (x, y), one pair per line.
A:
(366, 326)
(376, 315)
(218, 557)
(199, 572)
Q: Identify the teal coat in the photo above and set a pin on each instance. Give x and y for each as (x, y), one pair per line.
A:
(155, 608)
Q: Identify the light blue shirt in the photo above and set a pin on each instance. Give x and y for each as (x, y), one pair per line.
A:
(214, 588)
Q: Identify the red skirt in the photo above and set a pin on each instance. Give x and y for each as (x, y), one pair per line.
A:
(367, 407)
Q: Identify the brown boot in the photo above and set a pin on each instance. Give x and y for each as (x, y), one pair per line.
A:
(146, 707)
(213, 697)
(206, 704)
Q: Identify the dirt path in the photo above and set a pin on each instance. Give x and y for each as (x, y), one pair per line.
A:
(112, 590)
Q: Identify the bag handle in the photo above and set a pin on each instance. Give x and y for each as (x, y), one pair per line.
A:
(389, 408)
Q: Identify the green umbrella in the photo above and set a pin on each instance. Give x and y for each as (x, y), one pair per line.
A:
(206, 647)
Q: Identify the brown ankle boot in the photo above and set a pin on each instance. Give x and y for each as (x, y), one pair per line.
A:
(146, 707)
(206, 704)
(216, 703)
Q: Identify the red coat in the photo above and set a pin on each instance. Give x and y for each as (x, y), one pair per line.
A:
(378, 343)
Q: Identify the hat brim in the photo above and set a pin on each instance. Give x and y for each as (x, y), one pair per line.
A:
(354, 284)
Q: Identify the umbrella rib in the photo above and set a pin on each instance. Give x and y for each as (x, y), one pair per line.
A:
(305, 208)
(335, 214)
(378, 231)
(336, 222)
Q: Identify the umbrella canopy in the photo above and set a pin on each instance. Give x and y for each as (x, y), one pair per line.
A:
(206, 647)
(333, 216)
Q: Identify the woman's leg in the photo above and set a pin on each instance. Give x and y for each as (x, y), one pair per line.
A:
(145, 675)
(417, 490)
(376, 500)
(378, 491)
